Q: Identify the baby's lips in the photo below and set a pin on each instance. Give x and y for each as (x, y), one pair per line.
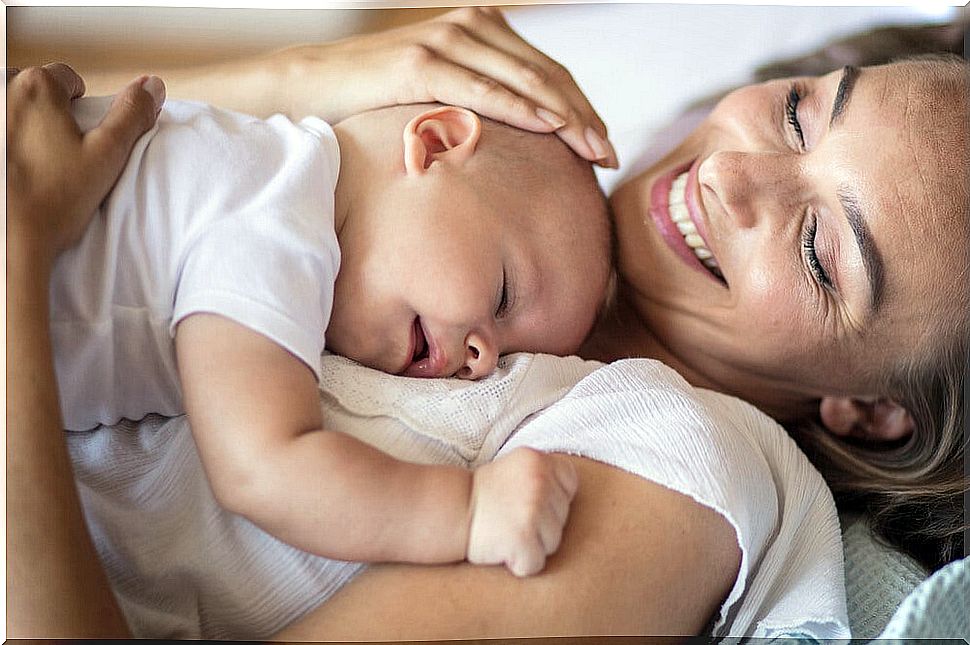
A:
(433, 365)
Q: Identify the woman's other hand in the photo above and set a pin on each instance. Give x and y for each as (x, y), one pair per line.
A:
(56, 176)
(468, 57)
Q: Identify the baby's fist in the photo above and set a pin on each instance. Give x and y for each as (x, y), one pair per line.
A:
(520, 503)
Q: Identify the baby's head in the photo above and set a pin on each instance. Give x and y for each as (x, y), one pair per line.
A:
(462, 240)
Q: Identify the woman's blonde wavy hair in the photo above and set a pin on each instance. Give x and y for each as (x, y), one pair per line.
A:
(913, 492)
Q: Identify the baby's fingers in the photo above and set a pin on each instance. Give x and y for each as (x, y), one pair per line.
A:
(550, 533)
(566, 476)
(527, 560)
(554, 521)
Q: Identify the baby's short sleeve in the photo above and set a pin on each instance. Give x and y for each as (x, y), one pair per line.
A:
(274, 275)
(259, 247)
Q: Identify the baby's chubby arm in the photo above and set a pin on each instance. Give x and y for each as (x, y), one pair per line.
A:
(255, 414)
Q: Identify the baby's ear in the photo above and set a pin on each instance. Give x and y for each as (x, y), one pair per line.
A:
(448, 134)
(869, 420)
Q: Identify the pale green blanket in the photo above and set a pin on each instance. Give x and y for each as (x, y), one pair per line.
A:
(890, 597)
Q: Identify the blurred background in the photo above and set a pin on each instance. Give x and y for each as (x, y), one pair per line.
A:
(103, 37)
(641, 64)
(106, 36)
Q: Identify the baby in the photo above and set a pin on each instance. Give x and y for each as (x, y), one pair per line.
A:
(431, 243)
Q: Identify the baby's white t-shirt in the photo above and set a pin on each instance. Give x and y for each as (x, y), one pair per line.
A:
(215, 212)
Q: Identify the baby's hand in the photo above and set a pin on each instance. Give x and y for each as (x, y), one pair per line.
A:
(520, 503)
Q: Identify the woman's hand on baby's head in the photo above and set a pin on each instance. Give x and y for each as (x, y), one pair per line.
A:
(468, 57)
(520, 504)
(56, 175)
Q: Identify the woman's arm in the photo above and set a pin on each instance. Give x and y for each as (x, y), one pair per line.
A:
(55, 178)
(636, 558)
(468, 57)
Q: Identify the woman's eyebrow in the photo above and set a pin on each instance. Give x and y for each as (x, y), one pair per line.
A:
(842, 94)
(871, 259)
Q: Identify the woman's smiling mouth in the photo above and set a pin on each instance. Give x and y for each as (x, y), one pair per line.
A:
(670, 209)
(680, 215)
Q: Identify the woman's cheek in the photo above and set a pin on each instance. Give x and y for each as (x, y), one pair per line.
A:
(776, 308)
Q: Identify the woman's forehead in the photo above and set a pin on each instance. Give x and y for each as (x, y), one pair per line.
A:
(912, 135)
(904, 146)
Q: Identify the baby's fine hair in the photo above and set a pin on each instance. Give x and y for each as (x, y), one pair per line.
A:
(543, 166)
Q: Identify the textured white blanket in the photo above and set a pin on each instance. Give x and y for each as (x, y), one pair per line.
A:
(184, 568)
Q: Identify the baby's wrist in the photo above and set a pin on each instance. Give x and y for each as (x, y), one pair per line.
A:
(467, 516)
(446, 536)
(476, 503)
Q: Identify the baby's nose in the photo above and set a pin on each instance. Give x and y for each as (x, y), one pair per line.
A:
(481, 357)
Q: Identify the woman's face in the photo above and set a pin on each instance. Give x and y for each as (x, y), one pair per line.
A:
(824, 234)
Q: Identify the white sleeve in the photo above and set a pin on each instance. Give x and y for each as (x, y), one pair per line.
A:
(642, 417)
(274, 278)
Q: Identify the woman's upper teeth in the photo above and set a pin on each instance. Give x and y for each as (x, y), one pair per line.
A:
(680, 216)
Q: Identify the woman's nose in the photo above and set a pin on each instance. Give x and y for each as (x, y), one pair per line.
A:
(481, 356)
(748, 186)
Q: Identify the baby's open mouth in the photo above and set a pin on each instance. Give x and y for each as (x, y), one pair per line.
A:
(677, 207)
(420, 343)
(427, 358)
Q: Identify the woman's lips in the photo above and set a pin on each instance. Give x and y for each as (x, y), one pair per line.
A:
(426, 358)
(693, 208)
(660, 213)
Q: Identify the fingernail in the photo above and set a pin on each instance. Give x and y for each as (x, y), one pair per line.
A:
(551, 118)
(600, 148)
(154, 86)
(612, 160)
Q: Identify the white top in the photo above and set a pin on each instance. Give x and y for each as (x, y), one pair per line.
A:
(182, 567)
(215, 212)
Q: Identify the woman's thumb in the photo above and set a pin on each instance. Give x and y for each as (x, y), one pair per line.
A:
(132, 113)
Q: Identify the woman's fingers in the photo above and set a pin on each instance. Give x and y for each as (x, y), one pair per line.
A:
(468, 57)
(482, 41)
(448, 83)
(67, 79)
(453, 43)
(56, 175)
(132, 113)
(534, 68)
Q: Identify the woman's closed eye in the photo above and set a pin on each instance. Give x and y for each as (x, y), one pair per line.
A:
(792, 99)
(810, 254)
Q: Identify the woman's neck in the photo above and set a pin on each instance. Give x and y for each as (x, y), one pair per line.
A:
(620, 333)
